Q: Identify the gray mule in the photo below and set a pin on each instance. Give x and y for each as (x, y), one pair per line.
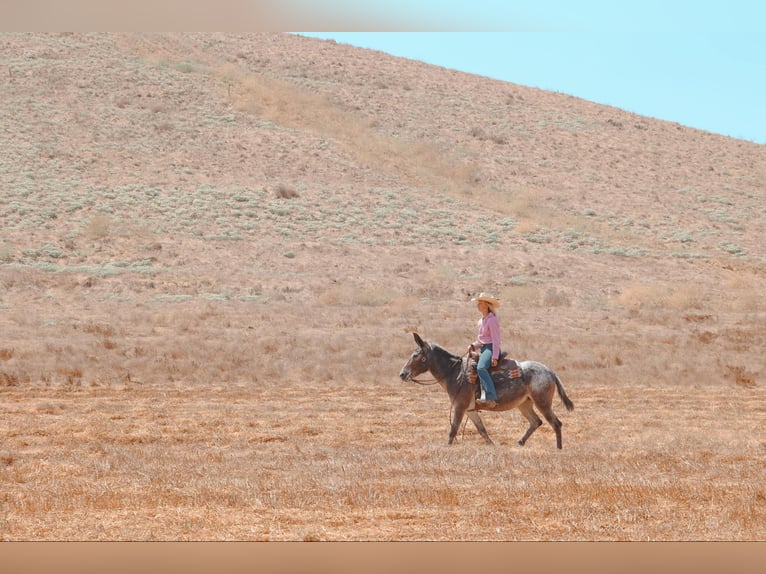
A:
(535, 389)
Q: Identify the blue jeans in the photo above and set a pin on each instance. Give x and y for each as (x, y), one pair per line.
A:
(482, 368)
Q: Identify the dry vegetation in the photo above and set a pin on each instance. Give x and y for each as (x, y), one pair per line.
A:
(215, 247)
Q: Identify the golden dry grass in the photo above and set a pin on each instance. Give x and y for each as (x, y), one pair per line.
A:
(349, 461)
(212, 264)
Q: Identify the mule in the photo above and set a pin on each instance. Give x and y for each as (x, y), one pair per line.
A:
(535, 388)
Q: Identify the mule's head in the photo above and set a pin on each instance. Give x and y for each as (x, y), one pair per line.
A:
(419, 361)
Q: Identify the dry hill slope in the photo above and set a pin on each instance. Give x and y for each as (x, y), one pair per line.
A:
(215, 247)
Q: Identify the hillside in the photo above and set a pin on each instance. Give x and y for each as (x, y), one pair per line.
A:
(254, 224)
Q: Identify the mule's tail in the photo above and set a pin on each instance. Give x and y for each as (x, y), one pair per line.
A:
(564, 398)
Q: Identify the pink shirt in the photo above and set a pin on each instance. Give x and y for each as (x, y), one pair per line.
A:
(489, 332)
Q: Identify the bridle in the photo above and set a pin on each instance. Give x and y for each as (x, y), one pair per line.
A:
(434, 381)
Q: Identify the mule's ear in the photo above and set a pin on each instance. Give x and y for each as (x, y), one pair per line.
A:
(418, 340)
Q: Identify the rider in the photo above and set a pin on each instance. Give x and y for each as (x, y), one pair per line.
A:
(488, 340)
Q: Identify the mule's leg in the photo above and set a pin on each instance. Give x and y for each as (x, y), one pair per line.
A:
(553, 421)
(457, 418)
(479, 424)
(529, 413)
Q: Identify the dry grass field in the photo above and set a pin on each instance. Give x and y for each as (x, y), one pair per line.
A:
(215, 248)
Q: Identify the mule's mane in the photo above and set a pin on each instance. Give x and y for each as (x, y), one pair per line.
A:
(445, 366)
(442, 351)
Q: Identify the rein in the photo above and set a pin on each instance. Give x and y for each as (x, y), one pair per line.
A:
(424, 383)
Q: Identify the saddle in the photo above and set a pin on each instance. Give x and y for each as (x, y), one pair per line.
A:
(507, 369)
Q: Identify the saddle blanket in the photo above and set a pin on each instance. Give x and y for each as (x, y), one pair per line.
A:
(507, 369)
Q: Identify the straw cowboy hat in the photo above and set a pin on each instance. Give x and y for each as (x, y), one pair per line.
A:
(487, 298)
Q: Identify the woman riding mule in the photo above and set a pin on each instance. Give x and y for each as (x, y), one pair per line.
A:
(534, 389)
(488, 342)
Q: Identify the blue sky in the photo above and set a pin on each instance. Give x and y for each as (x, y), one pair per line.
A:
(701, 64)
